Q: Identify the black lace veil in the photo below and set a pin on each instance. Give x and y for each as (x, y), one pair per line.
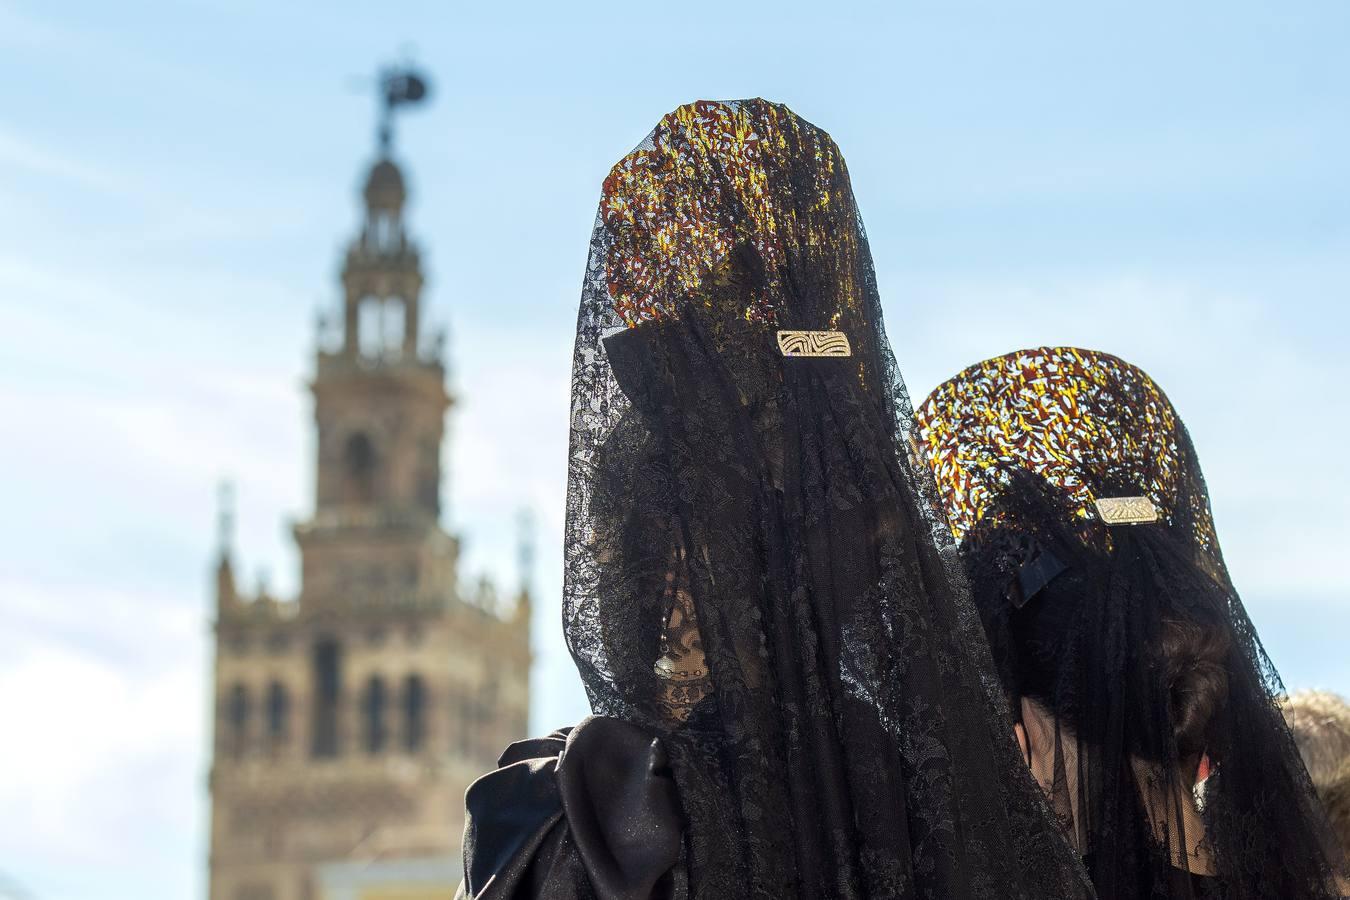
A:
(753, 567)
(1148, 700)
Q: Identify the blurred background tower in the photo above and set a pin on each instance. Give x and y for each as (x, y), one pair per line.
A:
(349, 722)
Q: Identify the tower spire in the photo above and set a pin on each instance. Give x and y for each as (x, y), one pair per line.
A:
(226, 596)
(225, 519)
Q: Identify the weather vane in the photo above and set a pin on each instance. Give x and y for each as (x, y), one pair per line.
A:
(399, 86)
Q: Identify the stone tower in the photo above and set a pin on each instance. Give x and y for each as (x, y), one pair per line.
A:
(349, 722)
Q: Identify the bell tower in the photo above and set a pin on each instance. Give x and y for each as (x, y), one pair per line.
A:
(350, 720)
(379, 406)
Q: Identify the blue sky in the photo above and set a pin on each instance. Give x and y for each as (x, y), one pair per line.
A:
(1164, 181)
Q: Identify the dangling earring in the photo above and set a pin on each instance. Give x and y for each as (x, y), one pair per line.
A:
(664, 667)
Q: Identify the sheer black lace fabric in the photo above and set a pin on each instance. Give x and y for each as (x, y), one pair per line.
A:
(1125, 650)
(753, 564)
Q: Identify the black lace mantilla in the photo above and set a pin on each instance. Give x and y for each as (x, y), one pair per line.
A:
(755, 567)
(1149, 706)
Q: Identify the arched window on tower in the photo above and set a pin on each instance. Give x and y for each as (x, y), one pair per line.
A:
(373, 710)
(414, 713)
(278, 715)
(327, 693)
(236, 720)
(369, 327)
(380, 326)
(359, 469)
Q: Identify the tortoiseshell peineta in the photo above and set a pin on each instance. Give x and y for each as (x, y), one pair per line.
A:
(714, 175)
(1089, 423)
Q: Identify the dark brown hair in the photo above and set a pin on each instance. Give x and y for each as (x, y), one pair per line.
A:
(1194, 663)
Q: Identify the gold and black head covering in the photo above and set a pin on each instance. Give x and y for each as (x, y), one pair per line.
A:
(781, 189)
(749, 572)
(1089, 424)
(1084, 525)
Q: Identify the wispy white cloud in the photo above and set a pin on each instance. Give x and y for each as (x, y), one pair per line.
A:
(106, 749)
(31, 159)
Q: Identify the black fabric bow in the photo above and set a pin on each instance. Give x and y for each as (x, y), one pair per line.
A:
(586, 812)
(1035, 575)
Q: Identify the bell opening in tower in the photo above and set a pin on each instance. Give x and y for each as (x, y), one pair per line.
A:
(327, 696)
(360, 465)
(381, 324)
(376, 730)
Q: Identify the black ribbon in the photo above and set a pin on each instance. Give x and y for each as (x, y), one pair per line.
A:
(1035, 574)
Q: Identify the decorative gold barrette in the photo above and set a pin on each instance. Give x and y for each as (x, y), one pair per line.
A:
(1127, 510)
(814, 343)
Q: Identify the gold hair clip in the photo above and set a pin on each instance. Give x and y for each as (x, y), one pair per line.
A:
(1127, 510)
(814, 343)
